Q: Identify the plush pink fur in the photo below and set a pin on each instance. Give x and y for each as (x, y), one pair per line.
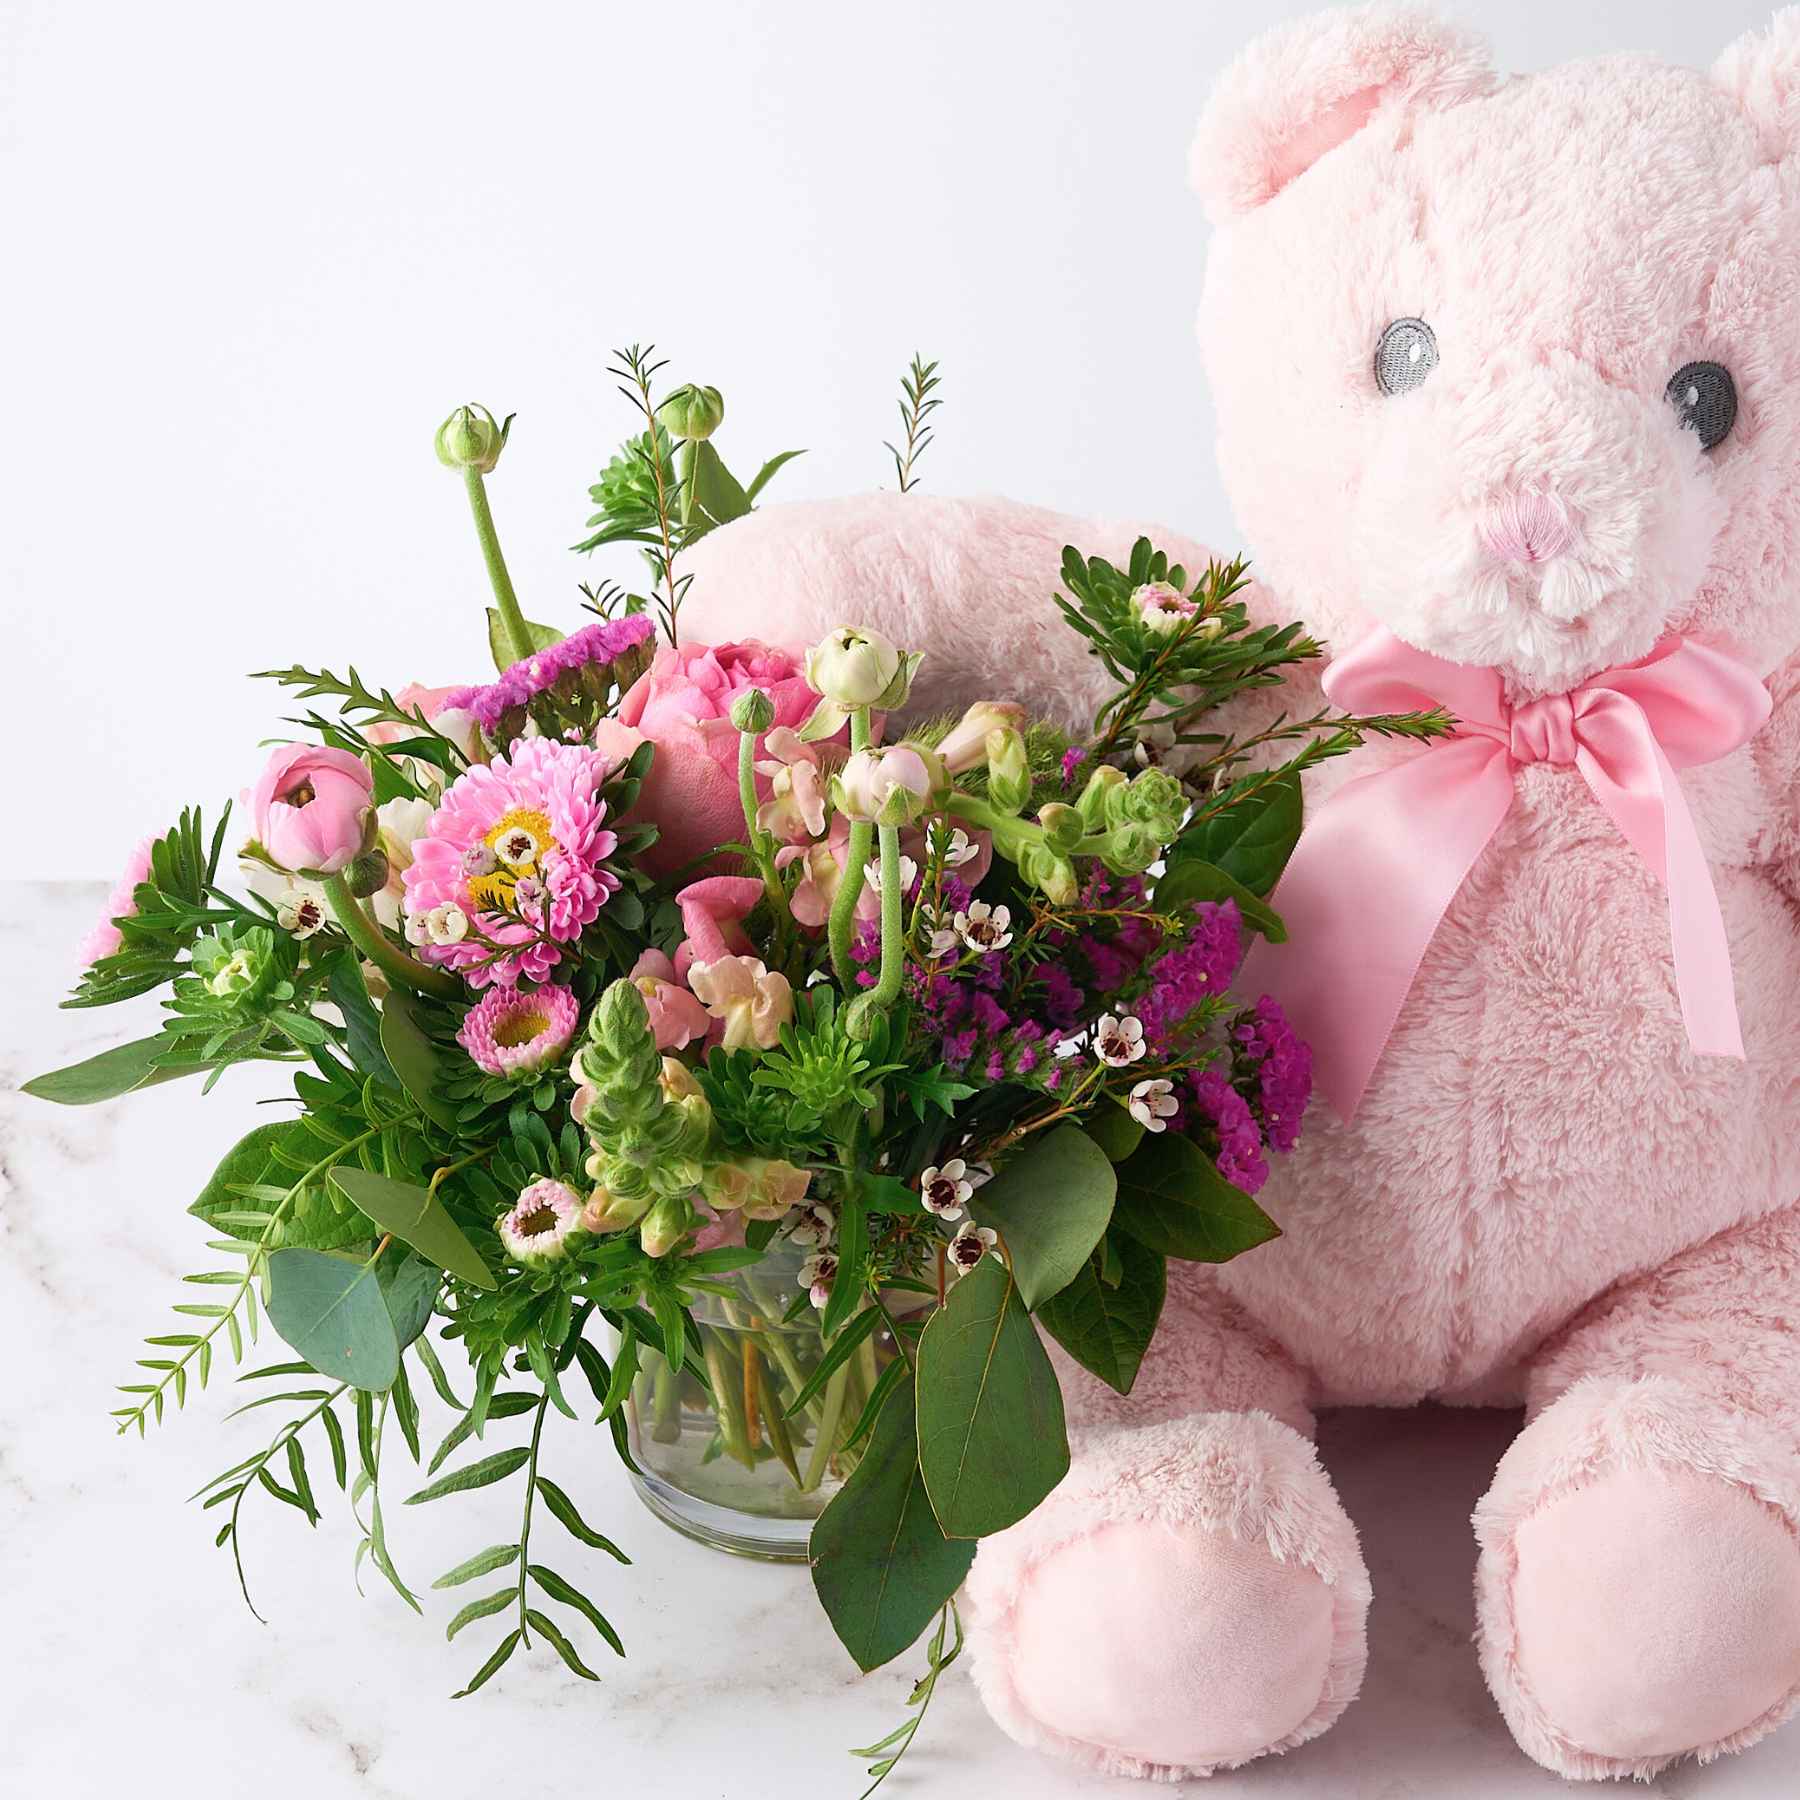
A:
(1545, 1195)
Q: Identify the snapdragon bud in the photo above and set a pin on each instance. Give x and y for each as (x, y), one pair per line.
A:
(753, 711)
(691, 412)
(665, 1225)
(1009, 769)
(470, 439)
(1153, 800)
(1093, 804)
(1064, 826)
(1054, 874)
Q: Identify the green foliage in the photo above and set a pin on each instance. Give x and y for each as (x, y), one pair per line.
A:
(412, 1055)
(417, 1217)
(1050, 1202)
(332, 1310)
(1106, 1317)
(885, 1754)
(820, 1065)
(1251, 841)
(917, 403)
(371, 706)
(1173, 1199)
(992, 1442)
(1188, 880)
(881, 1565)
(759, 1118)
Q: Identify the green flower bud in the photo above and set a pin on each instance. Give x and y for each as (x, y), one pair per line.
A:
(665, 1225)
(753, 710)
(691, 412)
(1131, 849)
(1093, 804)
(854, 667)
(1009, 769)
(1154, 800)
(1045, 869)
(1064, 826)
(469, 439)
(367, 874)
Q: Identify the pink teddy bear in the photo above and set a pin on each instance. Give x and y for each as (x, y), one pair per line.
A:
(1508, 380)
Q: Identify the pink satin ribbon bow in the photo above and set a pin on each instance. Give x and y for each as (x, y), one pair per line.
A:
(1378, 866)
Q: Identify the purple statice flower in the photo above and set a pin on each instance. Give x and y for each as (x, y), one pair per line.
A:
(958, 1048)
(1072, 759)
(1197, 970)
(1240, 1152)
(958, 896)
(1065, 1004)
(1283, 1066)
(603, 642)
(996, 1067)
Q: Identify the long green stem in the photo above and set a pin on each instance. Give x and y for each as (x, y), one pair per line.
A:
(893, 938)
(403, 970)
(512, 622)
(825, 1443)
(842, 923)
(537, 1432)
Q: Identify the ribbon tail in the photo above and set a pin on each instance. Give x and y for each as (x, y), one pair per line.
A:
(1368, 885)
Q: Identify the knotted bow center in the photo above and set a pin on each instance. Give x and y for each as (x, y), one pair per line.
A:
(1543, 731)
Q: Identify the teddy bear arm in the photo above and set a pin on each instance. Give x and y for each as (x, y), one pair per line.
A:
(1639, 1582)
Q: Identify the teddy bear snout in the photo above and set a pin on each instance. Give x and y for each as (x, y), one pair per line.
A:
(1525, 526)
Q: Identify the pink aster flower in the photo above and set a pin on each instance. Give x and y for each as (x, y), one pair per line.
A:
(516, 848)
(539, 1226)
(517, 1034)
(677, 1019)
(121, 903)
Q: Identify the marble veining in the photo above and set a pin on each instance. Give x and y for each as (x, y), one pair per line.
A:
(131, 1665)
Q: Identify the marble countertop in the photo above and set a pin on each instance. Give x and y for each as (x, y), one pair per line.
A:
(132, 1666)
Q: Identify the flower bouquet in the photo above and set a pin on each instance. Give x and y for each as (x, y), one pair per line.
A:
(694, 1025)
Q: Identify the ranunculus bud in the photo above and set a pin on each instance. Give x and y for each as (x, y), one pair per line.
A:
(692, 412)
(965, 743)
(882, 787)
(1009, 769)
(312, 810)
(852, 667)
(368, 874)
(753, 710)
(470, 439)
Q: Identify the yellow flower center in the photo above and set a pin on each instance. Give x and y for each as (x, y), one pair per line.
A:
(520, 1028)
(519, 839)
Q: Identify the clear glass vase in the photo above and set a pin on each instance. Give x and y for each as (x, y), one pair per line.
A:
(733, 1469)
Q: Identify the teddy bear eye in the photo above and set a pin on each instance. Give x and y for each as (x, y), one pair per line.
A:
(1705, 396)
(1406, 354)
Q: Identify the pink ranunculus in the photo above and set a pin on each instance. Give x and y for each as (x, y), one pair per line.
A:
(106, 939)
(712, 919)
(311, 808)
(677, 1019)
(682, 704)
(452, 721)
(892, 785)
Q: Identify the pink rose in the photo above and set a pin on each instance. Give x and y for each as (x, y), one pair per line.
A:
(677, 1019)
(312, 808)
(452, 721)
(682, 704)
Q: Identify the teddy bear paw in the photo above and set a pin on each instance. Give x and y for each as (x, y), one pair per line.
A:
(1191, 1598)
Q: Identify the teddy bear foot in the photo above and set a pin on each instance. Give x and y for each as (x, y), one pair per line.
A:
(1191, 1597)
(1640, 1582)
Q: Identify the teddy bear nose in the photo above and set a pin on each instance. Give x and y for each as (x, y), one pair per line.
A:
(1525, 526)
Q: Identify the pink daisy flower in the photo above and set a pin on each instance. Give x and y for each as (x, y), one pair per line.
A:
(516, 1034)
(121, 903)
(509, 869)
(548, 1213)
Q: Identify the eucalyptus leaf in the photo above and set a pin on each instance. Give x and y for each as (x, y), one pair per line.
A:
(1107, 1326)
(992, 1440)
(881, 1564)
(1051, 1203)
(331, 1310)
(410, 1289)
(1190, 879)
(413, 1057)
(416, 1216)
(1172, 1198)
(1251, 840)
(1114, 1130)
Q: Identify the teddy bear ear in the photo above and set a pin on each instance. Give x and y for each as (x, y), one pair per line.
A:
(1761, 72)
(1302, 90)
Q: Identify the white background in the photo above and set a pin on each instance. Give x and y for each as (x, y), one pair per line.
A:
(254, 253)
